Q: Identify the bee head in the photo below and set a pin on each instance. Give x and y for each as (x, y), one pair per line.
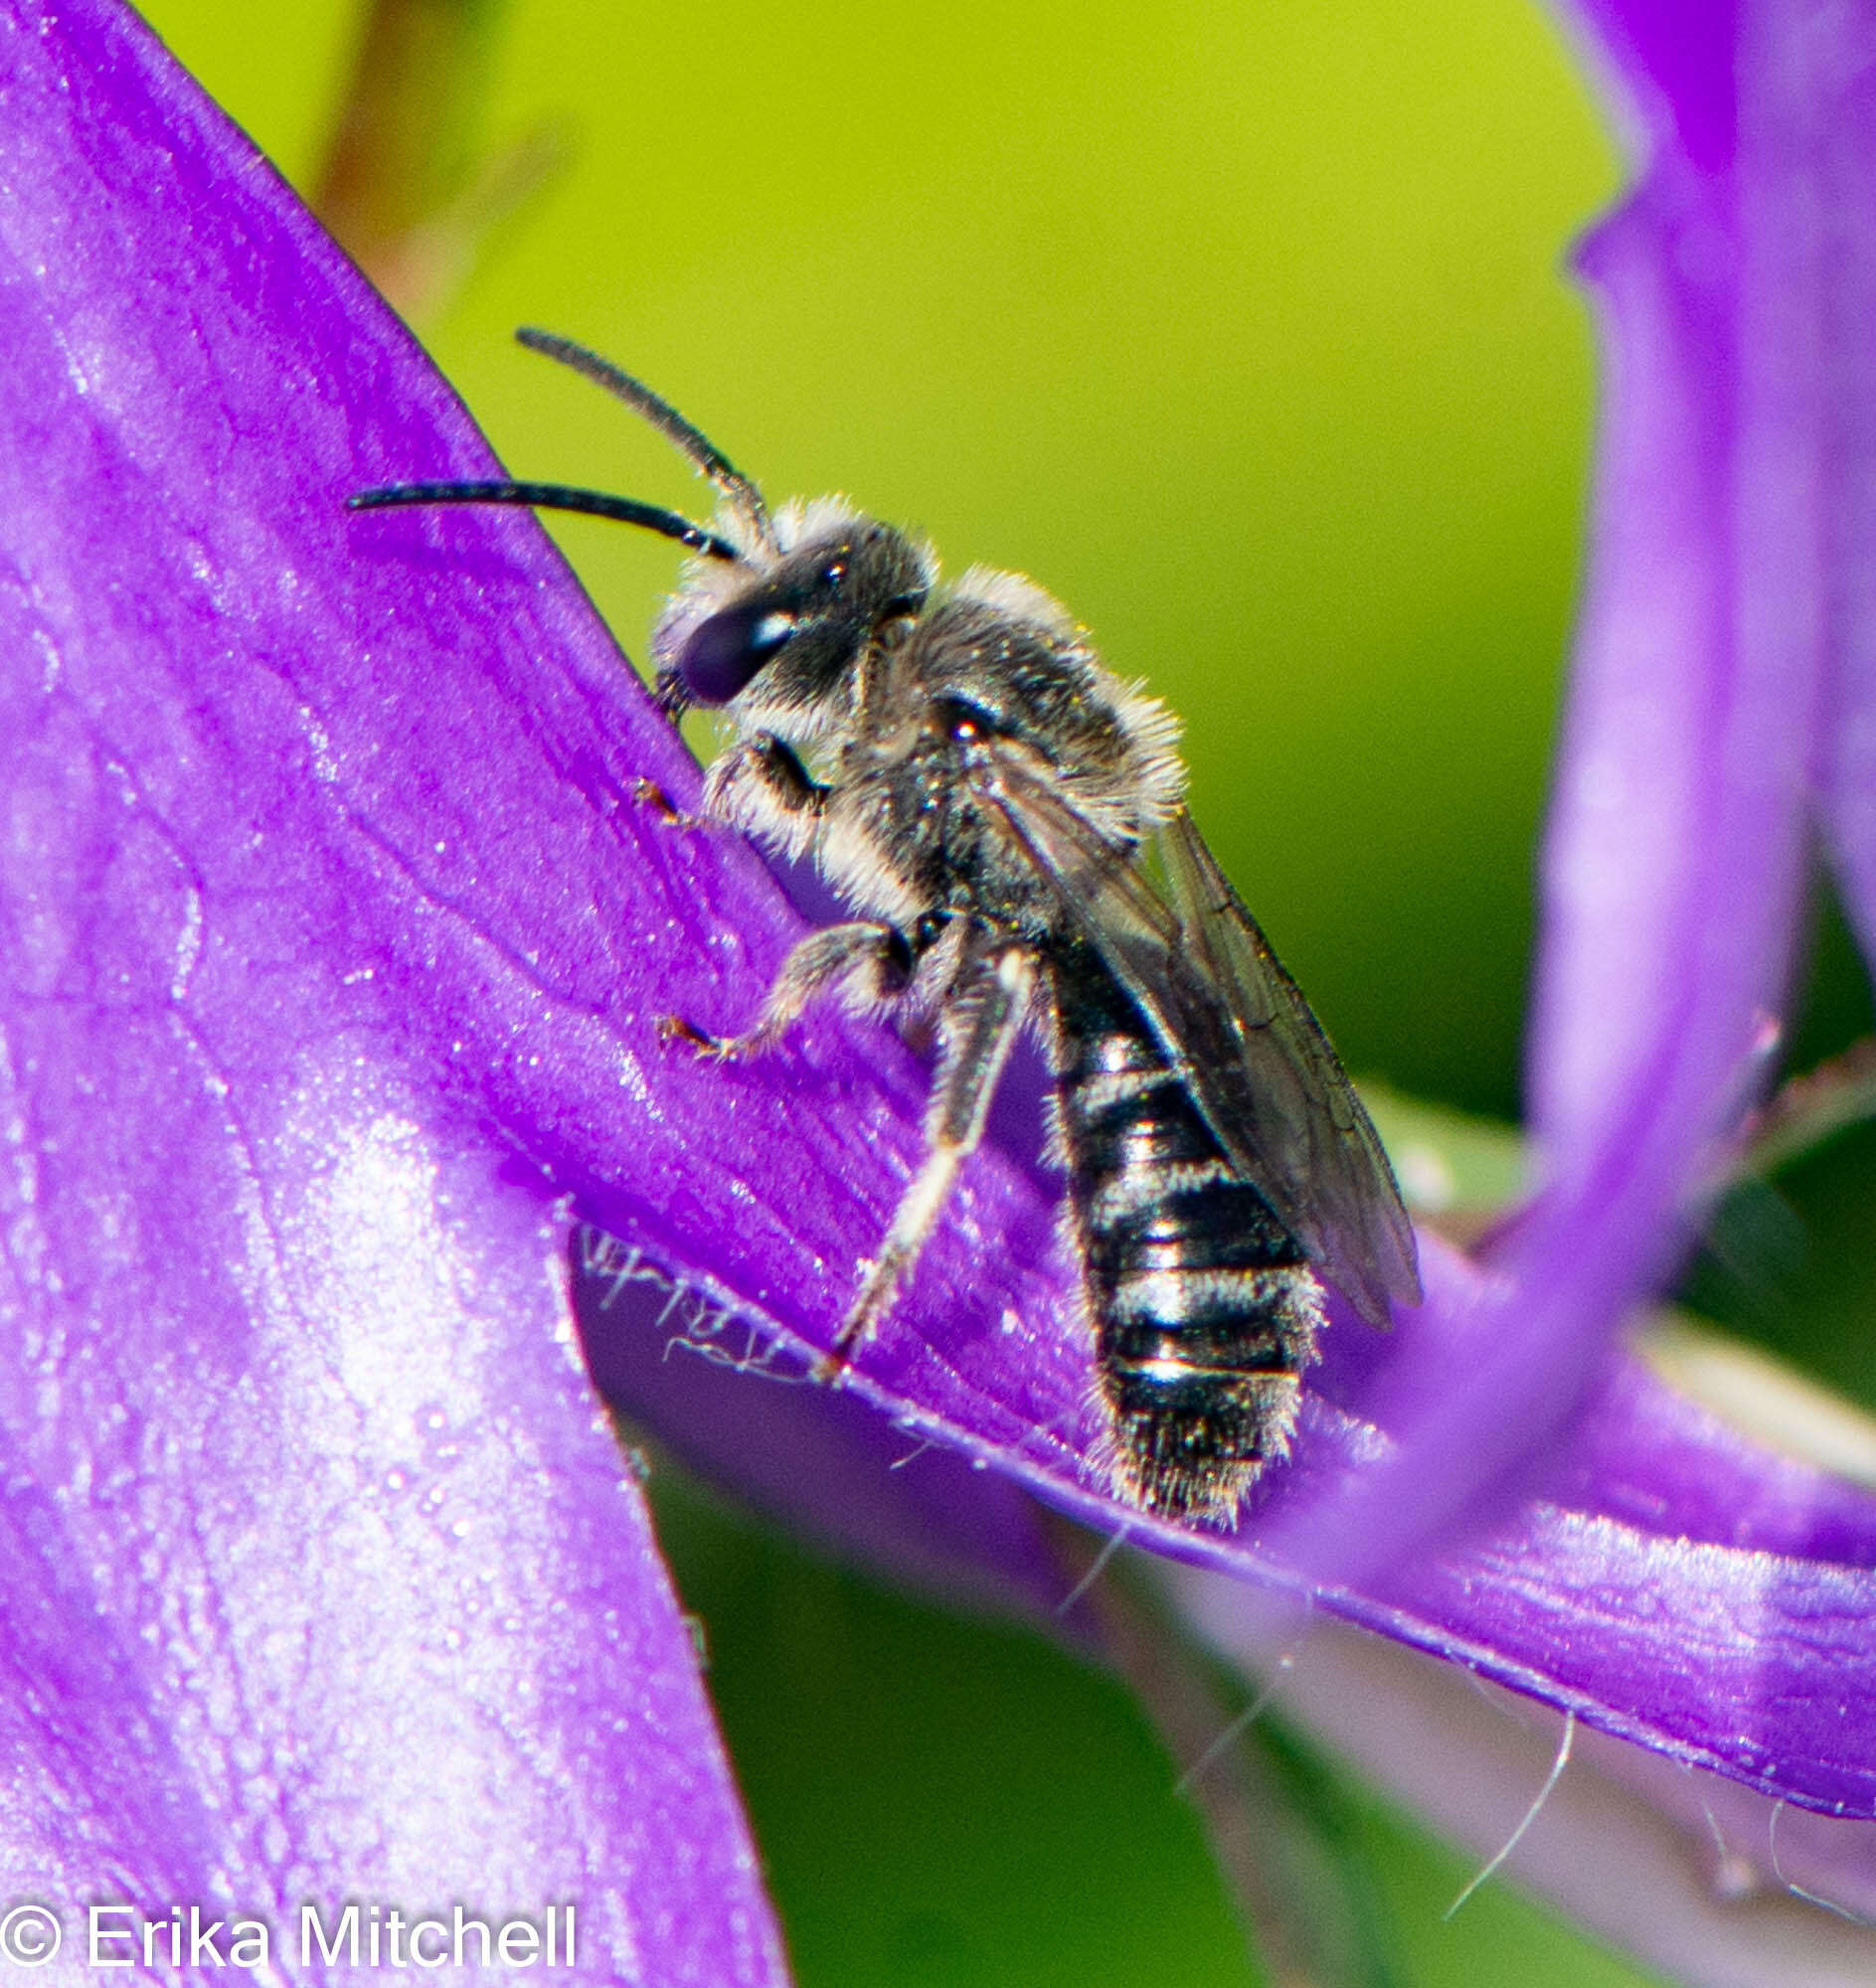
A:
(786, 625)
(778, 609)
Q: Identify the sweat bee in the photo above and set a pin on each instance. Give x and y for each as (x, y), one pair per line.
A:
(1005, 819)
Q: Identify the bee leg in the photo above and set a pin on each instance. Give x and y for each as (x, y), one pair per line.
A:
(868, 961)
(980, 1028)
(759, 785)
(648, 793)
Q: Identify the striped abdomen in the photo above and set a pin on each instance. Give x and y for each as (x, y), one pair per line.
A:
(1204, 1307)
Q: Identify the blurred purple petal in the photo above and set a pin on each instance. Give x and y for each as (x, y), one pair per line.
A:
(1673, 59)
(1730, 602)
(1835, 180)
(1632, 871)
(324, 1582)
(1713, 1884)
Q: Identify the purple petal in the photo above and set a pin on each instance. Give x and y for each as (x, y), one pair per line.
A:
(1711, 1884)
(1732, 554)
(323, 1579)
(1674, 60)
(1710, 685)
(1832, 181)
(1662, 1577)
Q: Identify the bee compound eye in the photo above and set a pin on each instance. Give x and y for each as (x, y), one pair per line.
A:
(725, 653)
(963, 720)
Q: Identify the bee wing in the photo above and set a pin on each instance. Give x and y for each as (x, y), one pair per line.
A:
(1232, 1024)
(1307, 1125)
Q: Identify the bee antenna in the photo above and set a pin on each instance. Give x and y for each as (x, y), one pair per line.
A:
(702, 451)
(553, 497)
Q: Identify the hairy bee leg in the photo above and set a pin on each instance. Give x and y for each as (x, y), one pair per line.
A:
(980, 1029)
(814, 968)
(759, 786)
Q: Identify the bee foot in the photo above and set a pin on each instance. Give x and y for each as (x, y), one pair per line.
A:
(711, 1049)
(875, 1294)
(648, 793)
(831, 1368)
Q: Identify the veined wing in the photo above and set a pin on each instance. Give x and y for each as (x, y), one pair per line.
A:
(1306, 1127)
(1232, 1024)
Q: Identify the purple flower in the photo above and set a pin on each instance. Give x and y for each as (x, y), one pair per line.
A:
(325, 1582)
(335, 944)
(1606, 1547)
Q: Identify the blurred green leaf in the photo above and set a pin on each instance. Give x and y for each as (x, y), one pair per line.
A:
(1454, 1170)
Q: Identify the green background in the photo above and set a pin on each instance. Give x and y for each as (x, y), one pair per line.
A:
(1240, 328)
(1245, 330)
